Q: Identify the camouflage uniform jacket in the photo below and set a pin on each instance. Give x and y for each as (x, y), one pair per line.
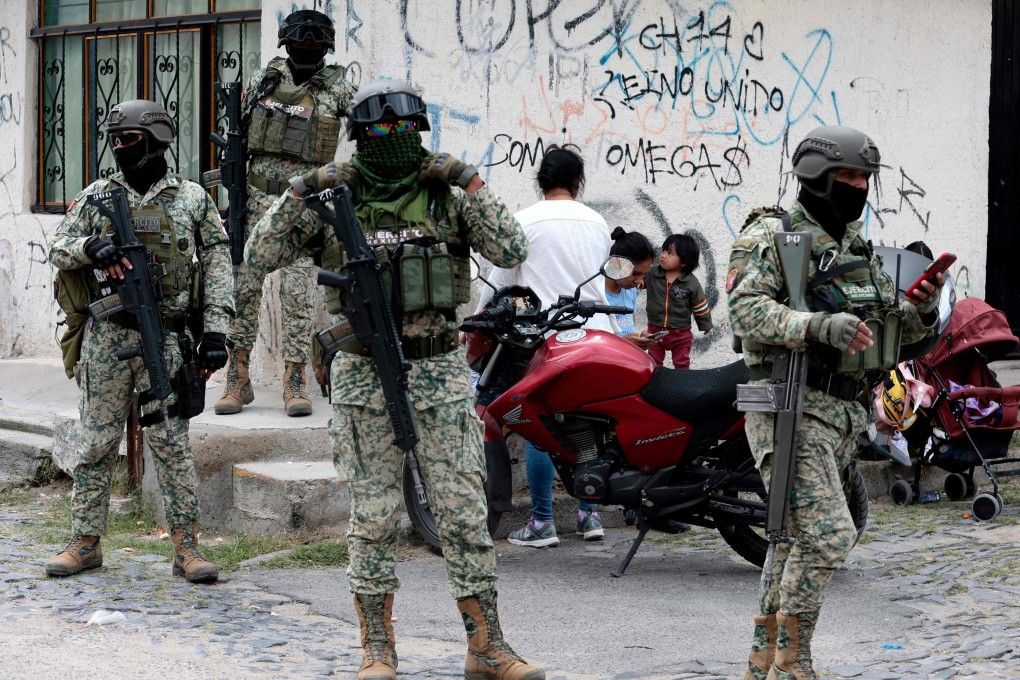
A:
(755, 286)
(191, 211)
(332, 101)
(286, 232)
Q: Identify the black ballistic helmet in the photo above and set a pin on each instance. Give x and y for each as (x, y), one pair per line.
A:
(142, 115)
(375, 101)
(307, 25)
(834, 146)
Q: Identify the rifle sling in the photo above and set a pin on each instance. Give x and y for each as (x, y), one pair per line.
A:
(844, 387)
(414, 348)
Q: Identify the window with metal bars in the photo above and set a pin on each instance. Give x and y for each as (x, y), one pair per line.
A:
(96, 53)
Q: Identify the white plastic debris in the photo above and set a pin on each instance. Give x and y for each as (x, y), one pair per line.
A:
(103, 617)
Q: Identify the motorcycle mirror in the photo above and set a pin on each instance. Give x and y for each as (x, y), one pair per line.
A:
(476, 273)
(617, 268)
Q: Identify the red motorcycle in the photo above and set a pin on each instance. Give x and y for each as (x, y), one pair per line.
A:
(667, 445)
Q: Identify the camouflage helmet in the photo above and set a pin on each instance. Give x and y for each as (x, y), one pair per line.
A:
(144, 116)
(374, 101)
(834, 146)
(307, 25)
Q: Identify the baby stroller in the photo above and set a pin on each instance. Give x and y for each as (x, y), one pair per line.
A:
(970, 418)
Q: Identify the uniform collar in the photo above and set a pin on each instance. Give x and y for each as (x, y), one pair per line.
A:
(169, 181)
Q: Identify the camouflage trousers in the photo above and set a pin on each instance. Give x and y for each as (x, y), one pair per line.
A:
(106, 385)
(451, 460)
(295, 313)
(819, 517)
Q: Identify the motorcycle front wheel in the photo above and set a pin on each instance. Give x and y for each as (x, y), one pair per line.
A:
(423, 521)
(750, 543)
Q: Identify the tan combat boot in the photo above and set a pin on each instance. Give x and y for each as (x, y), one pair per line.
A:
(295, 399)
(489, 656)
(83, 552)
(189, 561)
(763, 648)
(375, 613)
(793, 647)
(238, 391)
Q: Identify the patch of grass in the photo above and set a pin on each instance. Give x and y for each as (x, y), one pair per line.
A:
(325, 554)
(957, 589)
(15, 496)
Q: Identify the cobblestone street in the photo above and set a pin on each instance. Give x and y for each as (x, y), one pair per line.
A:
(960, 579)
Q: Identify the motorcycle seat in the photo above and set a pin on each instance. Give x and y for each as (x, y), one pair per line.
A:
(696, 395)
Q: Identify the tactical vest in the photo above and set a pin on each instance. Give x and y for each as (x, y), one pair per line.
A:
(426, 268)
(844, 282)
(287, 122)
(157, 233)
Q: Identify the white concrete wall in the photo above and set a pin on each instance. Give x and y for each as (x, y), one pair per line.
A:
(500, 83)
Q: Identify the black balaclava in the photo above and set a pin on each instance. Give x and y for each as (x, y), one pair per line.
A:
(834, 204)
(305, 63)
(142, 163)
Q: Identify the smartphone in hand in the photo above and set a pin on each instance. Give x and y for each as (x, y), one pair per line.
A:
(939, 266)
(656, 336)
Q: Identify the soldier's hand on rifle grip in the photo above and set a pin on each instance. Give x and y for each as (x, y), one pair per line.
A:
(107, 256)
(843, 331)
(328, 176)
(445, 168)
(212, 354)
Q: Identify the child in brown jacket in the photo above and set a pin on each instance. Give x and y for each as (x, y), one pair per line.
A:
(674, 295)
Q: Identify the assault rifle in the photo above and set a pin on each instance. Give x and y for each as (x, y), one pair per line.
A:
(371, 318)
(784, 396)
(138, 294)
(232, 171)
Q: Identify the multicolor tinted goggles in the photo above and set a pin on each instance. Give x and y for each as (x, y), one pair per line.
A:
(389, 127)
(401, 104)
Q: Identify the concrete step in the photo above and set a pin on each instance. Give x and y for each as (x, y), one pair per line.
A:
(24, 457)
(287, 496)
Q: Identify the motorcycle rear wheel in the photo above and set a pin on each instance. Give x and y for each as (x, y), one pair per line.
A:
(750, 543)
(425, 523)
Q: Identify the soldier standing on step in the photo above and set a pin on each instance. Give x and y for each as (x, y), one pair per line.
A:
(295, 109)
(189, 227)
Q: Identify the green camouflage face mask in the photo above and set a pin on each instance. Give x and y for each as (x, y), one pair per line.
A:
(392, 157)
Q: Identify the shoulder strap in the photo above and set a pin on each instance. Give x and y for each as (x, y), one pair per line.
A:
(768, 211)
(328, 75)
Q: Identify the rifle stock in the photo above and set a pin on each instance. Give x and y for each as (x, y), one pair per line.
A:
(139, 294)
(371, 318)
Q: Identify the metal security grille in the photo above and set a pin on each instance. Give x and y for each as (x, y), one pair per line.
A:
(1003, 276)
(85, 69)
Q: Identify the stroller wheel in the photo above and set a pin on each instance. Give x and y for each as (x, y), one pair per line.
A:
(957, 487)
(986, 507)
(902, 493)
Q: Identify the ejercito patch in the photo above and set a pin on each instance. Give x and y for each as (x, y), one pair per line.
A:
(731, 279)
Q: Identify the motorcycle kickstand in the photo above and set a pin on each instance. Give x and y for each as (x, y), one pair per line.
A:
(643, 526)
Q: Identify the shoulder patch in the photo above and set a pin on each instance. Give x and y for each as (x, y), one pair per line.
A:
(731, 279)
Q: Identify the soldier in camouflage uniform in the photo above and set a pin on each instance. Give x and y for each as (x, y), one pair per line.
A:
(435, 206)
(296, 105)
(189, 229)
(846, 284)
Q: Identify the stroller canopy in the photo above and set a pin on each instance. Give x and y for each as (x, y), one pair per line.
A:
(974, 324)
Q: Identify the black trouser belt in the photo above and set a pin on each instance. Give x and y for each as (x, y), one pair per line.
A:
(845, 387)
(414, 348)
(267, 185)
(175, 324)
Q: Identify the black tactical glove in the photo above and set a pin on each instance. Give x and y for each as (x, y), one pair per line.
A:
(103, 253)
(212, 351)
(837, 330)
(328, 176)
(446, 168)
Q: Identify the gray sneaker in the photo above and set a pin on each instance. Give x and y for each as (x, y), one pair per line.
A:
(532, 535)
(589, 525)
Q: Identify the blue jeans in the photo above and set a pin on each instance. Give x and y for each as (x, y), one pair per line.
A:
(540, 480)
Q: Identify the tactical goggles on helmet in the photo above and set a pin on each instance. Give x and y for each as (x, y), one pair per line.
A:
(307, 33)
(126, 137)
(401, 104)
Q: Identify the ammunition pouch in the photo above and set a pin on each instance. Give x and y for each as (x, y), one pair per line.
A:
(429, 278)
(189, 384)
(72, 295)
(886, 333)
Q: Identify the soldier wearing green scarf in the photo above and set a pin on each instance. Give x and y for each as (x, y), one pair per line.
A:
(429, 210)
